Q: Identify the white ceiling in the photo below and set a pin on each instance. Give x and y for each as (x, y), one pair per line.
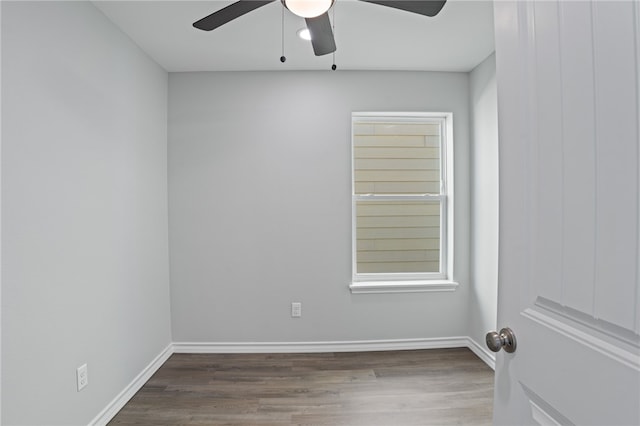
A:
(368, 36)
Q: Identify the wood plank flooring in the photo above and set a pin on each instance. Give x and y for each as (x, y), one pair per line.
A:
(421, 387)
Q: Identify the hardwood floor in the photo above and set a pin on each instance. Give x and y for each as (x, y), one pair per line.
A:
(422, 387)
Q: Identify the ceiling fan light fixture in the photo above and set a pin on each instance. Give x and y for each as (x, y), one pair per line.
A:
(308, 8)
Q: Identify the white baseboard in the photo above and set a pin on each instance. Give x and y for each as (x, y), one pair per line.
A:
(123, 397)
(348, 346)
(284, 347)
(481, 352)
(311, 347)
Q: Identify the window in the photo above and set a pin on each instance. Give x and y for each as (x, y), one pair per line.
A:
(402, 202)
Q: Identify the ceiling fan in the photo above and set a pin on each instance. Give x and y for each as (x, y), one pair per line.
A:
(315, 14)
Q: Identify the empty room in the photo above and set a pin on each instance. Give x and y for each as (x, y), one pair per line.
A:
(420, 212)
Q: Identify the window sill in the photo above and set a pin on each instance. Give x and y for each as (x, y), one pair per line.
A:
(360, 287)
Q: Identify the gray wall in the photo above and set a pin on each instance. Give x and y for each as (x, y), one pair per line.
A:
(84, 212)
(260, 206)
(484, 200)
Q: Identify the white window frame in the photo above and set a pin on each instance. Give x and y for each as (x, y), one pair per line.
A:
(411, 282)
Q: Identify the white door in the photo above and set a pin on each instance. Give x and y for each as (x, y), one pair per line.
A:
(569, 107)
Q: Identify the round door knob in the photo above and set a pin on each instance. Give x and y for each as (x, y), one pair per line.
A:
(505, 339)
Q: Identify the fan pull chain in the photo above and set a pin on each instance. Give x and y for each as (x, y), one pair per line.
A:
(333, 27)
(283, 58)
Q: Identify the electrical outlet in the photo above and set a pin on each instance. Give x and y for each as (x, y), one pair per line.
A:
(296, 309)
(82, 377)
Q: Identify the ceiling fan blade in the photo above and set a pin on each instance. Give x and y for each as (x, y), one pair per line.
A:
(229, 13)
(421, 7)
(321, 34)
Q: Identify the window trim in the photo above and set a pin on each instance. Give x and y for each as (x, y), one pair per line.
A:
(410, 282)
